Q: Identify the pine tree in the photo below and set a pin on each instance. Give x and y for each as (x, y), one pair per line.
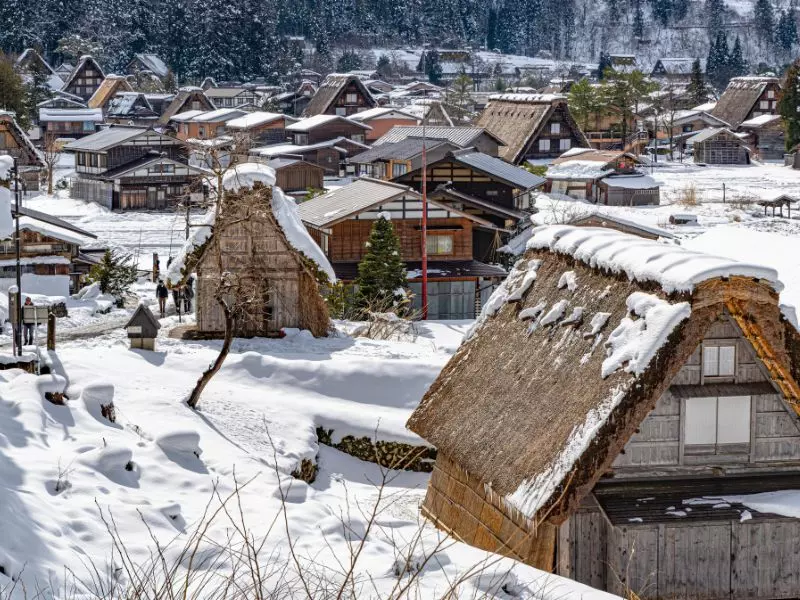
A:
(718, 66)
(789, 106)
(786, 32)
(348, 61)
(697, 91)
(433, 69)
(584, 103)
(381, 272)
(12, 91)
(737, 65)
(715, 14)
(764, 20)
(603, 65)
(384, 67)
(115, 274)
(662, 10)
(638, 21)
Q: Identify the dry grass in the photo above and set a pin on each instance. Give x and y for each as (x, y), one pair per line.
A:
(687, 196)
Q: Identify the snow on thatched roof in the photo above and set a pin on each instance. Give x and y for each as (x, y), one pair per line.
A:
(572, 351)
(740, 97)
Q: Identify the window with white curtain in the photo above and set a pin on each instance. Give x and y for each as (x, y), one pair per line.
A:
(713, 422)
(719, 360)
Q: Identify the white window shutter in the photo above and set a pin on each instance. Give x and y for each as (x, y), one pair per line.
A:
(701, 421)
(711, 361)
(727, 361)
(733, 420)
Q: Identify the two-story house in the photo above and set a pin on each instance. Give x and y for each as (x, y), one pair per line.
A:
(641, 431)
(16, 143)
(69, 122)
(746, 98)
(233, 97)
(341, 220)
(340, 94)
(204, 125)
(133, 168)
(321, 128)
(85, 78)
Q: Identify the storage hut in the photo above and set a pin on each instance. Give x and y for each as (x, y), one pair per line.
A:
(719, 146)
(142, 329)
(256, 264)
(632, 385)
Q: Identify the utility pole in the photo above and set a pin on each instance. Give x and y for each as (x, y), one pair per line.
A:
(424, 225)
(17, 193)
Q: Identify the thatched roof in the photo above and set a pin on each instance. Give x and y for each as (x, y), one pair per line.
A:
(85, 62)
(517, 119)
(108, 89)
(184, 98)
(329, 91)
(739, 97)
(574, 349)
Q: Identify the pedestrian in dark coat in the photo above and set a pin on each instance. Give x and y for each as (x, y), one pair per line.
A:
(162, 293)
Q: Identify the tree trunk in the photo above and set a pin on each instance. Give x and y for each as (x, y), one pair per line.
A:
(205, 378)
(50, 181)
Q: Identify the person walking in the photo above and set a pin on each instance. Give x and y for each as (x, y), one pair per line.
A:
(176, 298)
(28, 326)
(188, 294)
(162, 293)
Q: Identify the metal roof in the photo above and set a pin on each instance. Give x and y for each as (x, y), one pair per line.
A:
(281, 162)
(500, 169)
(310, 123)
(45, 218)
(351, 199)
(348, 271)
(106, 138)
(402, 150)
(461, 136)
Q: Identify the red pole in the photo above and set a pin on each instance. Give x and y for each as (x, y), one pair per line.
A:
(424, 227)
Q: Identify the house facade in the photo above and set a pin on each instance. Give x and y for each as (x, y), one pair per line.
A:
(321, 128)
(261, 127)
(296, 176)
(69, 122)
(341, 221)
(532, 126)
(85, 79)
(746, 98)
(130, 168)
(233, 97)
(765, 135)
(340, 94)
(381, 119)
(16, 143)
(204, 125)
(719, 146)
(638, 464)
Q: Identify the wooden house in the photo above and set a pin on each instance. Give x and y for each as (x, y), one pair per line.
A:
(746, 98)
(150, 63)
(691, 121)
(501, 194)
(261, 127)
(15, 142)
(332, 155)
(85, 79)
(577, 173)
(111, 86)
(464, 137)
(293, 103)
(640, 395)
(133, 168)
(675, 70)
(390, 160)
(297, 176)
(255, 242)
(131, 108)
(64, 70)
(320, 128)
(532, 126)
(204, 125)
(381, 119)
(30, 62)
(341, 220)
(187, 98)
(69, 123)
(340, 94)
(233, 97)
(765, 136)
(634, 189)
(617, 223)
(50, 249)
(431, 112)
(719, 146)
(62, 100)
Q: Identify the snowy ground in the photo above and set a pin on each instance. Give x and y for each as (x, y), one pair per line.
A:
(142, 468)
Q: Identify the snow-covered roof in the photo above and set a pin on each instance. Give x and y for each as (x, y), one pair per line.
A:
(186, 116)
(578, 169)
(285, 149)
(65, 115)
(48, 229)
(760, 121)
(529, 98)
(254, 119)
(381, 112)
(674, 268)
(631, 182)
(221, 114)
(153, 63)
(310, 123)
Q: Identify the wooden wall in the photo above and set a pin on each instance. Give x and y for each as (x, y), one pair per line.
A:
(347, 243)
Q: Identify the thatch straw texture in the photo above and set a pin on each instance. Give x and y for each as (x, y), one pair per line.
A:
(739, 98)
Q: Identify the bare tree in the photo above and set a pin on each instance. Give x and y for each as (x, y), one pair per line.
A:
(51, 152)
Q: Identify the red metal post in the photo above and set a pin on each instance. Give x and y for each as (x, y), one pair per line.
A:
(424, 226)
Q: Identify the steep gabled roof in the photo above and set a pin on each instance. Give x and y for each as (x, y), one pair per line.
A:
(677, 66)
(740, 97)
(329, 90)
(518, 119)
(84, 62)
(184, 96)
(29, 56)
(32, 155)
(112, 85)
(574, 349)
(712, 132)
(153, 63)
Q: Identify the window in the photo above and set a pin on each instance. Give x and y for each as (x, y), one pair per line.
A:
(712, 422)
(544, 145)
(301, 139)
(195, 105)
(163, 169)
(564, 144)
(201, 131)
(770, 94)
(440, 244)
(351, 98)
(555, 128)
(358, 137)
(88, 126)
(341, 111)
(399, 169)
(764, 105)
(719, 360)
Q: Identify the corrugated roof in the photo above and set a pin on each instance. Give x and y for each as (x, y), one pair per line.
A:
(310, 123)
(402, 150)
(709, 133)
(220, 114)
(500, 169)
(105, 138)
(461, 136)
(351, 199)
(254, 119)
(380, 111)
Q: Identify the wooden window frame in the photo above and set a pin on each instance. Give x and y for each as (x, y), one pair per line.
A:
(436, 236)
(718, 344)
(717, 448)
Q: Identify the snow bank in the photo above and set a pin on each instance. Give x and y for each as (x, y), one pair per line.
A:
(674, 268)
(634, 343)
(6, 165)
(578, 169)
(244, 175)
(6, 225)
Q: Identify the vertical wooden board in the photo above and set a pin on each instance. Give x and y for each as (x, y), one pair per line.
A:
(633, 561)
(564, 553)
(765, 559)
(695, 561)
(589, 549)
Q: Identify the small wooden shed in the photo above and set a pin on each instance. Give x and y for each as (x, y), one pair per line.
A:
(638, 395)
(719, 146)
(142, 328)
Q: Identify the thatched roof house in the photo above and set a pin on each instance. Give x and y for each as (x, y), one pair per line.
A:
(746, 98)
(582, 371)
(532, 126)
(258, 254)
(188, 98)
(340, 94)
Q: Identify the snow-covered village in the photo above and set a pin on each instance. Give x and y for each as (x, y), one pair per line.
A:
(343, 300)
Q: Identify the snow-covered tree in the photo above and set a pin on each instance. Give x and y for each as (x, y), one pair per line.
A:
(789, 106)
(764, 20)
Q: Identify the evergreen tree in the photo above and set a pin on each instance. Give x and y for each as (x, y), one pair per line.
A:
(381, 272)
(433, 69)
(348, 61)
(786, 32)
(115, 274)
(697, 91)
(459, 98)
(584, 103)
(384, 67)
(764, 20)
(662, 10)
(737, 66)
(603, 65)
(789, 106)
(12, 92)
(36, 91)
(638, 21)
(718, 63)
(715, 13)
